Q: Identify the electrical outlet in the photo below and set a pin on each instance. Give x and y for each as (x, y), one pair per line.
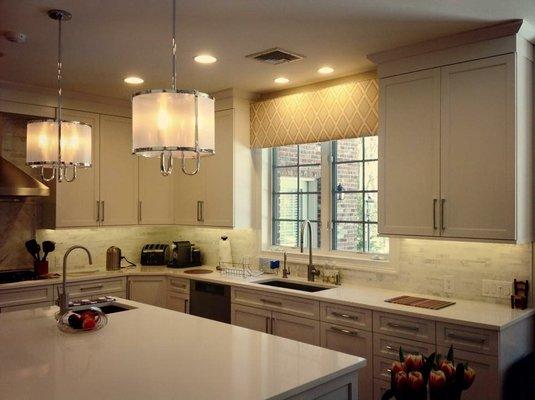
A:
(500, 289)
(449, 284)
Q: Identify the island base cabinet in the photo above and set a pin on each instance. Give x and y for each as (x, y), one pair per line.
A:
(486, 385)
(342, 388)
(351, 341)
(148, 290)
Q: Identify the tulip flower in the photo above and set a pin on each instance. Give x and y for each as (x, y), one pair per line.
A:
(397, 367)
(413, 362)
(401, 381)
(416, 381)
(469, 376)
(448, 369)
(437, 380)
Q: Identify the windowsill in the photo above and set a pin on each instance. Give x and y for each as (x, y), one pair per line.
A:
(357, 262)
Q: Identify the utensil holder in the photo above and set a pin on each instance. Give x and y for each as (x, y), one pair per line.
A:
(40, 267)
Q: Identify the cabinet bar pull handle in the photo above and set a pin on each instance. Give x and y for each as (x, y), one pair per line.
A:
(344, 331)
(267, 324)
(202, 211)
(466, 338)
(405, 350)
(434, 214)
(186, 306)
(96, 287)
(406, 327)
(346, 316)
(102, 211)
(139, 205)
(275, 303)
(98, 211)
(442, 202)
(199, 211)
(272, 325)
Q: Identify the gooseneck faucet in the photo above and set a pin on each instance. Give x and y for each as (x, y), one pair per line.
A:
(311, 270)
(63, 298)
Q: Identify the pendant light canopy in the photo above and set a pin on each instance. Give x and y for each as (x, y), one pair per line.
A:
(173, 123)
(58, 145)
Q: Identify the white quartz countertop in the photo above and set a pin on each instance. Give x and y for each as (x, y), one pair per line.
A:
(154, 353)
(470, 313)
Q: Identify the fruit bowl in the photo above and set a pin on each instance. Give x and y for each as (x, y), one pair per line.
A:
(91, 319)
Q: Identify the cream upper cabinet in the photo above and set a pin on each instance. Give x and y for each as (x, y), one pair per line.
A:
(118, 172)
(155, 193)
(409, 154)
(456, 151)
(478, 149)
(220, 193)
(74, 204)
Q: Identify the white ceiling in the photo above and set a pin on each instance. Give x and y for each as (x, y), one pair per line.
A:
(107, 40)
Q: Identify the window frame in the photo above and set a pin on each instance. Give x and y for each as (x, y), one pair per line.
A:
(369, 262)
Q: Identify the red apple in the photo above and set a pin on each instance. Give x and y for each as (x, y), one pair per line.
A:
(448, 369)
(437, 380)
(416, 381)
(413, 362)
(401, 381)
(88, 323)
(469, 376)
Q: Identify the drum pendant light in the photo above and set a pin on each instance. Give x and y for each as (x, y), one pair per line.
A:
(58, 145)
(173, 123)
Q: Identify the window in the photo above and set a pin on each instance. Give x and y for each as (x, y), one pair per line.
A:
(343, 211)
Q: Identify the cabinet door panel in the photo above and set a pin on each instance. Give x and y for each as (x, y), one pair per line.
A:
(188, 192)
(409, 139)
(119, 172)
(478, 149)
(251, 318)
(155, 193)
(178, 302)
(352, 341)
(148, 290)
(76, 201)
(296, 328)
(220, 173)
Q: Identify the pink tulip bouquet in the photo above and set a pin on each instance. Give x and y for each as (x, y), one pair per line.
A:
(416, 377)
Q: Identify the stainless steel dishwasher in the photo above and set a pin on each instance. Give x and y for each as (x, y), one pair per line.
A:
(210, 300)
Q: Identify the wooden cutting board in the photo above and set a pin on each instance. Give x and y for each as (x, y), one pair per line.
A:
(421, 302)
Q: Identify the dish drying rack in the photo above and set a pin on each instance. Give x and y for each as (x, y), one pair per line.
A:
(242, 269)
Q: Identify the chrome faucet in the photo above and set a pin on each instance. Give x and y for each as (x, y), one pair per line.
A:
(63, 298)
(311, 270)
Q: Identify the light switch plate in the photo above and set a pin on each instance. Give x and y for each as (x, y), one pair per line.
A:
(499, 289)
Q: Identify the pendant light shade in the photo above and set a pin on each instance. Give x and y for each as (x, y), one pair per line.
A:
(176, 122)
(54, 145)
(173, 123)
(42, 144)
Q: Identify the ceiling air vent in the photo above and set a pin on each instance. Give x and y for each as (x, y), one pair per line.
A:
(275, 56)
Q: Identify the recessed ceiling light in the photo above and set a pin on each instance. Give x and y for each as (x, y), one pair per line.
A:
(281, 80)
(133, 80)
(205, 59)
(326, 70)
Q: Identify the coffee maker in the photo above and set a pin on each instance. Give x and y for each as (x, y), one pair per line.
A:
(184, 254)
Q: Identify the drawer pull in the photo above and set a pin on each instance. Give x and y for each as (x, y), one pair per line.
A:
(178, 286)
(402, 326)
(346, 316)
(454, 336)
(344, 331)
(96, 287)
(407, 351)
(272, 302)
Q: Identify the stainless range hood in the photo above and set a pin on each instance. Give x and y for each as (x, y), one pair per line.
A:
(16, 183)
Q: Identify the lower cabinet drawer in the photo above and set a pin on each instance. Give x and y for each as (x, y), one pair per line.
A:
(25, 306)
(36, 294)
(388, 346)
(346, 315)
(422, 330)
(89, 289)
(179, 285)
(467, 338)
(381, 368)
(270, 301)
(379, 388)
(351, 341)
(485, 385)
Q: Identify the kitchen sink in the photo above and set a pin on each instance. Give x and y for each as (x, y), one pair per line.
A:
(115, 308)
(304, 287)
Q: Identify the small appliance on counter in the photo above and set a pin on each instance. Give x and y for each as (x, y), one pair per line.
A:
(155, 254)
(184, 254)
(113, 259)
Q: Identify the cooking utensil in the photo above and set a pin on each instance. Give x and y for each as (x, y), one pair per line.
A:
(33, 248)
(48, 247)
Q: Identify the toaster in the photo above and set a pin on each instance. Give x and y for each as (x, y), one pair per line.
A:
(155, 254)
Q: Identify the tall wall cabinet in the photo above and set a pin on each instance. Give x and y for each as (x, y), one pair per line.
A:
(455, 146)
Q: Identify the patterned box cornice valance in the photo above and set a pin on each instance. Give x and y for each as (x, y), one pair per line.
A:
(340, 111)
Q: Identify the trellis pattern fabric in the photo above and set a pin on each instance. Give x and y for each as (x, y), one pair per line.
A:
(342, 111)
